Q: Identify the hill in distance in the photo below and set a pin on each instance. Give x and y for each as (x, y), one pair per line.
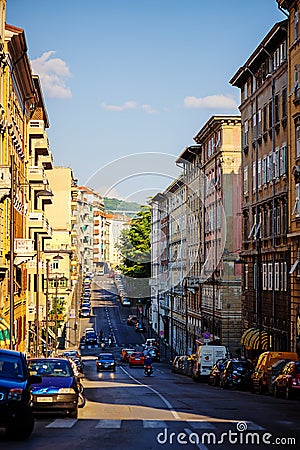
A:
(114, 205)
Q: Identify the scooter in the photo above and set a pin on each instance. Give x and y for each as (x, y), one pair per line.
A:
(148, 370)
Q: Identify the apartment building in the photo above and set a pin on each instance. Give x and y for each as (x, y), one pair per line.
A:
(212, 286)
(263, 84)
(292, 10)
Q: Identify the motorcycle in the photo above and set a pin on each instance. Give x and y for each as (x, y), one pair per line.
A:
(148, 370)
(81, 396)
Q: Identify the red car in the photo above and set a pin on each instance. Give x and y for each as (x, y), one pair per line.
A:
(125, 354)
(136, 359)
(288, 381)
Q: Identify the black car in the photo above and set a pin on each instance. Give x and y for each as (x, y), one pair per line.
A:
(106, 361)
(59, 389)
(85, 312)
(15, 382)
(236, 374)
(91, 338)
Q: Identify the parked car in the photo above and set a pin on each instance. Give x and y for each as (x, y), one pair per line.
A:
(216, 372)
(85, 312)
(132, 320)
(136, 359)
(140, 327)
(273, 372)
(288, 381)
(58, 390)
(125, 353)
(259, 378)
(236, 374)
(175, 364)
(91, 338)
(106, 361)
(15, 384)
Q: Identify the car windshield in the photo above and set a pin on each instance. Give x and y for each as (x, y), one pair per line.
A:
(105, 357)
(49, 368)
(11, 368)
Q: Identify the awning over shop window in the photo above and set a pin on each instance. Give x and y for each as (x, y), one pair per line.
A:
(4, 330)
(254, 339)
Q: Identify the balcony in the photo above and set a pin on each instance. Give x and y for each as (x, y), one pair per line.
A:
(39, 223)
(36, 174)
(46, 160)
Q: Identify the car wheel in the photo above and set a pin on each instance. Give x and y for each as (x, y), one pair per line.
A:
(73, 413)
(21, 426)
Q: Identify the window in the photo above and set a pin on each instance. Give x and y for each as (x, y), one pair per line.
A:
(298, 141)
(265, 118)
(278, 220)
(246, 284)
(265, 170)
(270, 166)
(245, 137)
(276, 276)
(284, 102)
(266, 222)
(296, 204)
(270, 114)
(277, 162)
(283, 52)
(276, 107)
(264, 277)
(296, 24)
(283, 276)
(259, 173)
(254, 126)
(245, 91)
(254, 176)
(270, 277)
(259, 125)
(283, 161)
(246, 186)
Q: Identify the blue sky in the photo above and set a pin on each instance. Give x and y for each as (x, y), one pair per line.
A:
(128, 77)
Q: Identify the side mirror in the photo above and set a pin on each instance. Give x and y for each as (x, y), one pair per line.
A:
(34, 379)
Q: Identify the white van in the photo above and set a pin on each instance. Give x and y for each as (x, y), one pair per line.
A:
(206, 357)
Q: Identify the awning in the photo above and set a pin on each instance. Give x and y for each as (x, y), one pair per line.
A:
(4, 330)
(255, 339)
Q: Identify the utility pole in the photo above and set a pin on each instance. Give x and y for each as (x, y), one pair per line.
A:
(12, 258)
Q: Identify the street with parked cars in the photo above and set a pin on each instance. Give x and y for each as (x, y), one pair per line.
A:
(90, 397)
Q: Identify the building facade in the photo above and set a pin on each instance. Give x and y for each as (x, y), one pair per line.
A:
(263, 84)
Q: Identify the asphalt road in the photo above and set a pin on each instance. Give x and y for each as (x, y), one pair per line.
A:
(126, 410)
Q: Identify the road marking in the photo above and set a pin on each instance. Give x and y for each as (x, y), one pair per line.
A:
(201, 424)
(154, 424)
(62, 423)
(166, 402)
(106, 423)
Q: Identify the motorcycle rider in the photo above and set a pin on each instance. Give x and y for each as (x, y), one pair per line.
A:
(148, 362)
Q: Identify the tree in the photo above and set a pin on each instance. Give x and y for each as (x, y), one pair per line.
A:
(135, 246)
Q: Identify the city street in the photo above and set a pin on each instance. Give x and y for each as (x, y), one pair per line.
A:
(125, 410)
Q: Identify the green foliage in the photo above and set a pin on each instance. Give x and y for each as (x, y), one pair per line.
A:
(115, 205)
(135, 245)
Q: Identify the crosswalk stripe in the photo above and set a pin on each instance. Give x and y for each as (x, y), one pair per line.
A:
(154, 424)
(106, 423)
(201, 424)
(62, 423)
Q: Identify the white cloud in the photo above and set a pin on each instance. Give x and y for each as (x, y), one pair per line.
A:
(211, 101)
(53, 73)
(129, 105)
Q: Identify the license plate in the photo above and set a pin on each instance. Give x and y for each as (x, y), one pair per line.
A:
(44, 399)
(137, 359)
